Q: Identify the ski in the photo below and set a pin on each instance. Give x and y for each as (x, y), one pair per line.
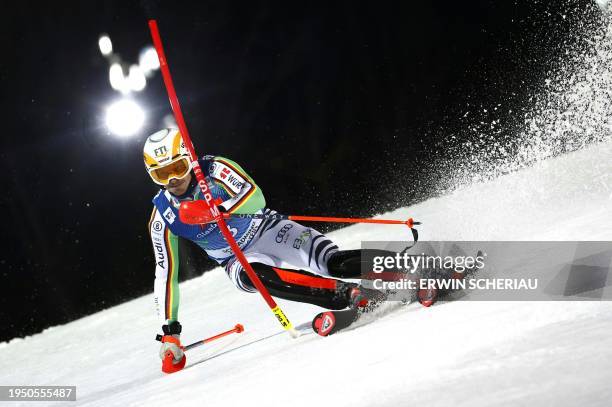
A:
(329, 322)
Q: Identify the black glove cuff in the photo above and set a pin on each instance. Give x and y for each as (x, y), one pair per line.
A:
(173, 328)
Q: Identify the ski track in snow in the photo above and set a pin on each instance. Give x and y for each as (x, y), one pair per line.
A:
(459, 353)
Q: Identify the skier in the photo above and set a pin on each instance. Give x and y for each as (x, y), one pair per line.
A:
(294, 262)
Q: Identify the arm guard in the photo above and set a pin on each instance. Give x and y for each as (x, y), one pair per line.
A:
(165, 251)
(246, 196)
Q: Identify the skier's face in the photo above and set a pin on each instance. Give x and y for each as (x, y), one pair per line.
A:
(179, 186)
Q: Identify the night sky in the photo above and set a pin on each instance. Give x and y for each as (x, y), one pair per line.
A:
(334, 108)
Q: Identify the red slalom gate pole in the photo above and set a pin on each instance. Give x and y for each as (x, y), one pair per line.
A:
(237, 329)
(212, 207)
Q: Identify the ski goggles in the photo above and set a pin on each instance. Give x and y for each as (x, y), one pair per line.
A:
(176, 169)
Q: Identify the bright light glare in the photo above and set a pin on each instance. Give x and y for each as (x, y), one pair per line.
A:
(117, 80)
(169, 121)
(148, 60)
(136, 78)
(105, 44)
(124, 118)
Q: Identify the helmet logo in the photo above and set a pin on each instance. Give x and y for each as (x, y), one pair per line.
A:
(161, 151)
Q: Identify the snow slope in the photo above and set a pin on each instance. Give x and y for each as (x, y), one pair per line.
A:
(460, 353)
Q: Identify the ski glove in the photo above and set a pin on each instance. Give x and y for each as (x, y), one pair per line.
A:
(197, 212)
(171, 346)
(171, 352)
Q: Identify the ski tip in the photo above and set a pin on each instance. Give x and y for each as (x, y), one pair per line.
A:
(294, 333)
(427, 297)
(324, 323)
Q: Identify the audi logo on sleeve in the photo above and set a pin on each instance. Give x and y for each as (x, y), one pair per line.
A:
(281, 233)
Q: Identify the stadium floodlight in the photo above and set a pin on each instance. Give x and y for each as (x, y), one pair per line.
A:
(148, 60)
(124, 117)
(105, 44)
(136, 79)
(117, 79)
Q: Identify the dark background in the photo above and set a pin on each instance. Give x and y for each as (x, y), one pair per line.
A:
(334, 109)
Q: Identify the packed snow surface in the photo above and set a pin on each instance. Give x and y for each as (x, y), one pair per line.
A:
(454, 353)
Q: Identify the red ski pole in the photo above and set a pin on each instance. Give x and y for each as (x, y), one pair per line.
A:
(196, 212)
(237, 329)
(212, 207)
(167, 363)
(409, 222)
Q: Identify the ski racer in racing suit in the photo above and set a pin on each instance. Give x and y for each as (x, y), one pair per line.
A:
(294, 262)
